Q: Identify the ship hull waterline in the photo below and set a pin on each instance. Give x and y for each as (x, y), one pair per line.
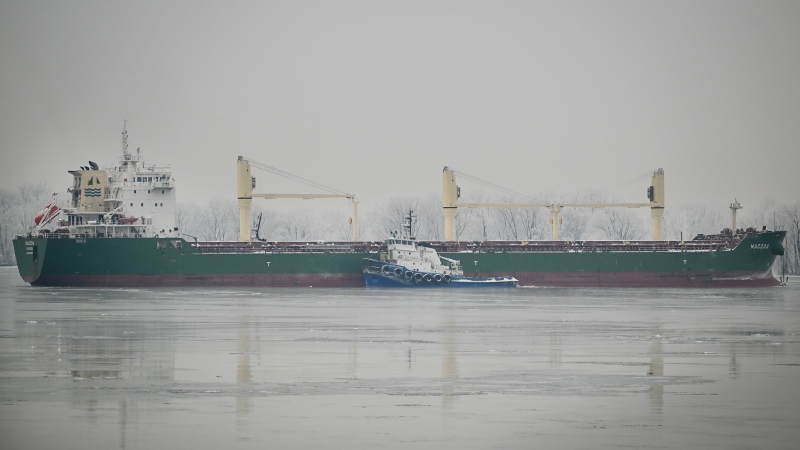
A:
(551, 279)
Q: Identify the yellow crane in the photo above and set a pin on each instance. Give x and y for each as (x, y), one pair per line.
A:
(246, 182)
(450, 204)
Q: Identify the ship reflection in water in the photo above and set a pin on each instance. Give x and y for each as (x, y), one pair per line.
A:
(191, 368)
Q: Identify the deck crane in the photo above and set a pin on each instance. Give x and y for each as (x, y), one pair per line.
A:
(245, 183)
(450, 204)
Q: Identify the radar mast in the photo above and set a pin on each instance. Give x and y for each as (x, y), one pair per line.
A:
(125, 152)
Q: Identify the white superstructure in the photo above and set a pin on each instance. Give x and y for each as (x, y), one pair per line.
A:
(132, 199)
(405, 252)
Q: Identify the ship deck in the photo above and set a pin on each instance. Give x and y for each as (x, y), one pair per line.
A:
(474, 246)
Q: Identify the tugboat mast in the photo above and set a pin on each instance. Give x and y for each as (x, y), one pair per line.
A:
(407, 225)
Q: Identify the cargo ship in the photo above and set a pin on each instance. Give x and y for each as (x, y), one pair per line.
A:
(120, 230)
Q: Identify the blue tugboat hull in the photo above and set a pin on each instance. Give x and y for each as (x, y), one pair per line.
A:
(383, 274)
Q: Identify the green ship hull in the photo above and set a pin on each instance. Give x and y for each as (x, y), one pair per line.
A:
(121, 262)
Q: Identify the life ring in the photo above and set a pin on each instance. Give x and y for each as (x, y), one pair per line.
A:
(428, 278)
(437, 278)
(386, 270)
(446, 279)
(398, 272)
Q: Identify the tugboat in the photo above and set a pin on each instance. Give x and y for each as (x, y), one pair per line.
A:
(406, 264)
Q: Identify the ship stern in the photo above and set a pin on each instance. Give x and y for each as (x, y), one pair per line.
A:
(29, 253)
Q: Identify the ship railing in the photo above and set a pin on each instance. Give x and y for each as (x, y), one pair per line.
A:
(54, 235)
(284, 247)
(118, 233)
(451, 264)
(582, 246)
(475, 247)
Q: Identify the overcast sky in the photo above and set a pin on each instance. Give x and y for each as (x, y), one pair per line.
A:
(375, 97)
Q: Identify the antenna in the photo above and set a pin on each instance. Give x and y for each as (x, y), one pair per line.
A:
(125, 139)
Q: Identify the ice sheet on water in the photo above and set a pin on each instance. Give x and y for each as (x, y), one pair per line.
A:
(517, 366)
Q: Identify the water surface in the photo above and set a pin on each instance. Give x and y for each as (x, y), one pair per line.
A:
(332, 368)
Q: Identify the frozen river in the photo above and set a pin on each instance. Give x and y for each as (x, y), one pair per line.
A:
(354, 368)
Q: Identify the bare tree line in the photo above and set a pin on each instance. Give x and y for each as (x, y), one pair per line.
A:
(218, 220)
(18, 208)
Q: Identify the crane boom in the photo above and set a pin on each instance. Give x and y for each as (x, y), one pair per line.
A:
(303, 196)
(245, 183)
(451, 193)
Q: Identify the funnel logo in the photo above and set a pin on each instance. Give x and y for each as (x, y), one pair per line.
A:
(92, 192)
